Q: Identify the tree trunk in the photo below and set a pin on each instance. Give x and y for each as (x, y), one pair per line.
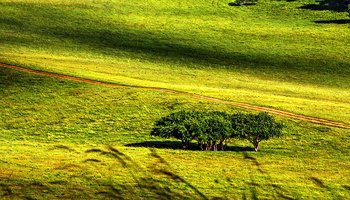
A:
(185, 144)
(256, 145)
(221, 146)
(203, 146)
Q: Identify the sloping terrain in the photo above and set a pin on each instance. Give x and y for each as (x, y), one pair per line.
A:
(196, 96)
(274, 54)
(64, 139)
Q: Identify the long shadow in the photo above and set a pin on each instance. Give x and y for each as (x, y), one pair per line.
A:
(101, 36)
(161, 145)
(177, 145)
(256, 166)
(156, 181)
(27, 190)
(12, 78)
(331, 5)
(111, 38)
(149, 185)
(337, 21)
(318, 182)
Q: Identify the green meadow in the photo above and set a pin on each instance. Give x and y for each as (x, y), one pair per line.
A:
(61, 139)
(66, 140)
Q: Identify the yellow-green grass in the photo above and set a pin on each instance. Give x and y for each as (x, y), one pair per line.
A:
(272, 54)
(60, 139)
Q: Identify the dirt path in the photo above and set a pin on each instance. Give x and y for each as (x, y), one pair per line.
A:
(196, 96)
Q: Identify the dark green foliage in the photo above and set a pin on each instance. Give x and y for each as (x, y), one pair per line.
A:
(182, 125)
(217, 130)
(237, 123)
(243, 2)
(260, 127)
(212, 130)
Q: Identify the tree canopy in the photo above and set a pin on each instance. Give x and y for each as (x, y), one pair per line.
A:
(213, 129)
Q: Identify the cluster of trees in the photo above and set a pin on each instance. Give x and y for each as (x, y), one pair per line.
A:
(213, 129)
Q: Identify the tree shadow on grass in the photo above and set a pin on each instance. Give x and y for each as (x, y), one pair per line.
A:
(321, 184)
(32, 83)
(242, 4)
(157, 181)
(331, 5)
(337, 21)
(177, 145)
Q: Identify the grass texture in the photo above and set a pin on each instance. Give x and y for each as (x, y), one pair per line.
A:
(61, 139)
(67, 140)
(280, 54)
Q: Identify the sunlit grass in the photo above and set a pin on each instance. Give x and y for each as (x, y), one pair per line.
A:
(67, 140)
(272, 54)
(61, 139)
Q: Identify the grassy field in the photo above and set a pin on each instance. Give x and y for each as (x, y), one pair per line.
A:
(67, 140)
(276, 53)
(61, 139)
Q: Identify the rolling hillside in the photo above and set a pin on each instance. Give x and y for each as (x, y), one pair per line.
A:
(276, 53)
(62, 139)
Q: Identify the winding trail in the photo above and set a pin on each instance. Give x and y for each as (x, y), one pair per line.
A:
(325, 122)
